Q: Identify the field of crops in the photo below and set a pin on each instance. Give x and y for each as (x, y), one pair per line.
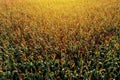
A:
(59, 39)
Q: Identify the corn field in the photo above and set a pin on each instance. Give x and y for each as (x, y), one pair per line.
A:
(59, 39)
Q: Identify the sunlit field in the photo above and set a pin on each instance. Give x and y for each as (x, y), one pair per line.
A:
(59, 39)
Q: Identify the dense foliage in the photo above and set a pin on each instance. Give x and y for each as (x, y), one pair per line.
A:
(59, 40)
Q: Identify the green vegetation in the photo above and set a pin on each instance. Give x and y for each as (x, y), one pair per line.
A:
(59, 40)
